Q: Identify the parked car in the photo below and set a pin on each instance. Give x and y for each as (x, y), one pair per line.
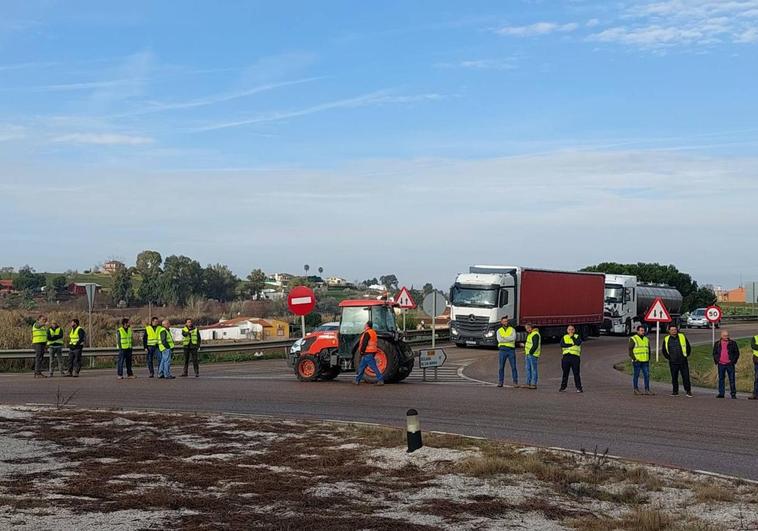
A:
(696, 319)
(325, 328)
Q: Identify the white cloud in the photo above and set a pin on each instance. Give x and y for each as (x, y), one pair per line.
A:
(591, 23)
(11, 132)
(105, 139)
(670, 23)
(538, 28)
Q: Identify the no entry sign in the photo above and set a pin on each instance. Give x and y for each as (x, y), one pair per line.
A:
(301, 300)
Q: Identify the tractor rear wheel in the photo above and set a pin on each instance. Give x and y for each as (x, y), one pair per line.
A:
(307, 368)
(330, 373)
(387, 360)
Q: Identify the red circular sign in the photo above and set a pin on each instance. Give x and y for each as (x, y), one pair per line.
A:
(301, 300)
(713, 314)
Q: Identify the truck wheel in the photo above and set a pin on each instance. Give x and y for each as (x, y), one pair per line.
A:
(329, 373)
(387, 360)
(307, 368)
(461, 345)
(628, 329)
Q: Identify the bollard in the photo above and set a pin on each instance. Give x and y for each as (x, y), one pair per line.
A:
(414, 431)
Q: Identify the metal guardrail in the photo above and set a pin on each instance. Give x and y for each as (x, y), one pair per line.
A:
(737, 318)
(413, 337)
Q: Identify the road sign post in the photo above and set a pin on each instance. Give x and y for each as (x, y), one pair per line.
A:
(434, 305)
(301, 301)
(713, 314)
(658, 313)
(90, 289)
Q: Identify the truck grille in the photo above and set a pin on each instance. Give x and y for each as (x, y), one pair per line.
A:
(471, 325)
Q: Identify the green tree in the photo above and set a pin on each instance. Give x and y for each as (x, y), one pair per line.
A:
(299, 281)
(256, 282)
(389, 281)
(60, 285)
(220, 283)
(148, 268)
(122, 285)
(181, 279)
(370, 282)
(693, 296)
(28, 280)
(428, 288)
(328, 306)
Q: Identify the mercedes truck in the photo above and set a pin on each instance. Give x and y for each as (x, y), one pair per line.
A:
(551, 300)
(627, 301)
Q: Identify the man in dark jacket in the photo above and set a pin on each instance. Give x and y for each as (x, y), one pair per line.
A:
(676, 349)
(76, 340)
(726, 352)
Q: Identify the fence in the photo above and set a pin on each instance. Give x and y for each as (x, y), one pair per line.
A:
(413, 337)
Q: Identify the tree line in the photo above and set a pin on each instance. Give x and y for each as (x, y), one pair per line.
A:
(693, 295)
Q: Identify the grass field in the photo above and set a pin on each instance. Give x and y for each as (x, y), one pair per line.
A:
(702, 369)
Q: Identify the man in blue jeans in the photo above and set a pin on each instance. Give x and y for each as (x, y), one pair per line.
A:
(368, 346)
(726, 352)
(506, 344)
(532, 350)
(639, 351)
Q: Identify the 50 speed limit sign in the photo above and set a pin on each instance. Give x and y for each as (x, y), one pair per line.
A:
(713, 314)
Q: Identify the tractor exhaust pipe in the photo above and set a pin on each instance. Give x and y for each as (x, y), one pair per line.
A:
(414, 431)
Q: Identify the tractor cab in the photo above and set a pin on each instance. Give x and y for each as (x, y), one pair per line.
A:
(355, 315)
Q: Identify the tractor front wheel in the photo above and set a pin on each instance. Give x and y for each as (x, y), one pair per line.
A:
(307, 368)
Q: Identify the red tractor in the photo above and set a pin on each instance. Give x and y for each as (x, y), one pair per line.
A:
(325, 356)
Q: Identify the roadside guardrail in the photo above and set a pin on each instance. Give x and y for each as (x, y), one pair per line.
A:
(413, 337)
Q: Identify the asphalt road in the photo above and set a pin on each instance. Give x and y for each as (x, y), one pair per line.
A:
(700, 433)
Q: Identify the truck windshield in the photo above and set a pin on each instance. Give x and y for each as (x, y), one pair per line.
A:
(482, 298)
(614, 293)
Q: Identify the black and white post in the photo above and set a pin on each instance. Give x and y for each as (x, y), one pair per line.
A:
(414, 431)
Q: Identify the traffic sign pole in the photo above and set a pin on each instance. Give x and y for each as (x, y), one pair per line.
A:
(302, 325)
(657, 341)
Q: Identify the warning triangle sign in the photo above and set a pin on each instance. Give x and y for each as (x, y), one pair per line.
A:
(404, 299)
(658, 313)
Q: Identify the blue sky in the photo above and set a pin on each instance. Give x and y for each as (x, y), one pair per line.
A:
(407, 137)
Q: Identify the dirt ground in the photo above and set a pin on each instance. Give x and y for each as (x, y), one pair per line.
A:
(86, 469)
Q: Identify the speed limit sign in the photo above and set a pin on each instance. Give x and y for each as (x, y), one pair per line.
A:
(713, 314)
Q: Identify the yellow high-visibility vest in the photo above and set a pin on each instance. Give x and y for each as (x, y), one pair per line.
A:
(505, 332)
(530, 343)
(73, 337)
(124, 338)
(574, 349)
(39, 334)
(682, 342)
(755, 352)
(641, 348)
(152, 335)
(169, 340)
(190, 337)
(58, 341)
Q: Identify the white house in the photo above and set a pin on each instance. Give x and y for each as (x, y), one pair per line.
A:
(241, 328)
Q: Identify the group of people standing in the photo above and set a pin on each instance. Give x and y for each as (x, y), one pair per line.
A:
(676, 349)
(571, 349)
(157, 341)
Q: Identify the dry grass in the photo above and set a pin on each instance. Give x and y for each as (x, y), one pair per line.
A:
(708, 493)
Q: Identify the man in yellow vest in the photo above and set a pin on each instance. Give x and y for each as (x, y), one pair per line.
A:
(532, 350)
(39, 343)
(191, 344)
(55, 346)
(676, 349)
(165, 346)
(150, 344)
(571, 347)
(124, 340)
(754, 346)
(75, 346)
(639, 351)
(506, 344)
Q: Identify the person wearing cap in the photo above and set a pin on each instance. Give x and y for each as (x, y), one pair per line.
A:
(368, 346)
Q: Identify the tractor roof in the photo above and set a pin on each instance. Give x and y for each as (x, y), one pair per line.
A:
(366, 302)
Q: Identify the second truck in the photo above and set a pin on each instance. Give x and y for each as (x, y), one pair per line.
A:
(627, 300)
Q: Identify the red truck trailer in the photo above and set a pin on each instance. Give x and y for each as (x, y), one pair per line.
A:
(551, 300)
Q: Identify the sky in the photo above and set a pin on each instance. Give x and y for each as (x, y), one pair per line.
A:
(368, 138)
